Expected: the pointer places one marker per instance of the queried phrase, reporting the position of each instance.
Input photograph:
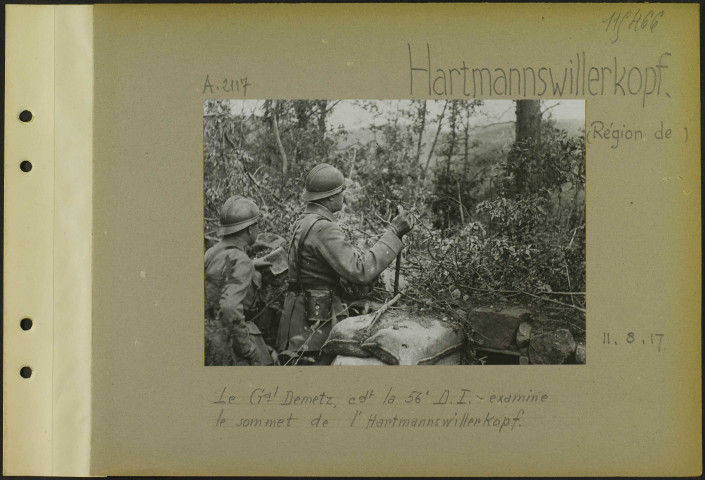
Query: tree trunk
(466, 154)
(280, 147)
(322, 112)
(460, 203)
(453, 121)
(435, 139)
(528, 119)
(422, 126)
(528, 126)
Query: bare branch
(547, 109)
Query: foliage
(229, 174)
(241, 157)
(503, 219)
(528, 240)
(545, 164)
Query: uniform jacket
(326, 257)
(231, 283)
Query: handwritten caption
(580, 75)
(632, 22)
(462, 408)
(619, 135)
(225, 84)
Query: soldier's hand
(261, 263)
(402, 223)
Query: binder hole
(25, 372)
(25, 166)
(26, 323)
(26, 116)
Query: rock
(496, 328)
(455, 294)
(580, 353)
(523, 334)
(551, 348)
(347, 360)
(466, 297)
(387, 277)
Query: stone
(496, 328)
(580, 353)
(551, 348)
(455, 294)
(387, 277)
(347, 360)
(523, 334)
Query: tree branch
(280, 147)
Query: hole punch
(25, 165)
(26, 324)
(25, 372)
(26, 116)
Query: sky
(350, 114)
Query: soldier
(231, 283)
(319, 256)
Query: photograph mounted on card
(500, 202)
(490, 266)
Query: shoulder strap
(303, 236)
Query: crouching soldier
(231, 287)
(319, 256)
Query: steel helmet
(322, 181)
(237, 214)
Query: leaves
(522, 226)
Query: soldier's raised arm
(349, 262)
(320, 256)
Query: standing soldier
(319, 256)
(231, 283)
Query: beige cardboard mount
(103, 244)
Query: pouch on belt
(318, 305)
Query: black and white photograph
(394, 232)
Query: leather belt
(294, 287)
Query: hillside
(488, 139)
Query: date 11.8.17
(632, 338)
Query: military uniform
(231, 288)
(326, 257)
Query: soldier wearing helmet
(231, 284)
(319, 256)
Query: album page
(497, 205)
